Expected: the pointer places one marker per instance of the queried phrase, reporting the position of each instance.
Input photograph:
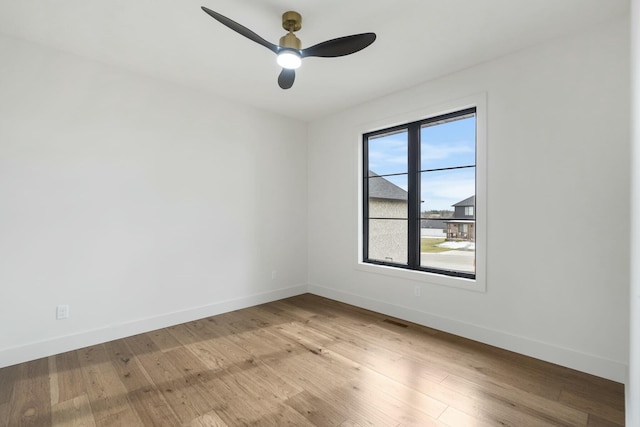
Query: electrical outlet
(62, 312)
(417, 291)
(274, 274)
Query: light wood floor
(302, 361)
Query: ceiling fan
(289, 49)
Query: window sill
(478, 284)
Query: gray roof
(380, 188)
(469, 201)
(433, 223)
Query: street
(451, 260)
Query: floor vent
(393, 322)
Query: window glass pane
(448, 144)
(387, 196)
(449, 196)
(388, 240)
(388, 153)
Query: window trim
(479, 102)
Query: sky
(443, 145)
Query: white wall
(632, 391)
(557, 205)
(138, 203)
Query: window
(423, 169)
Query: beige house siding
(388, 237)
(385, 208)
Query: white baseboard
(13, 355)
(591, 364)
(615, 371)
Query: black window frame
(413, 183)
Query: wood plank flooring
(303, 361)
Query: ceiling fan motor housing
(291, 21)
(290, 41)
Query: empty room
(362, 213)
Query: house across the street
(463, 224)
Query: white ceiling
(417, 40)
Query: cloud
(440, 190)
(388, 156)
(445, 151)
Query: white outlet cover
(62, 312)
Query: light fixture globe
(289, 59)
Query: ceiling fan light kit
(289, 59)
(289, 49)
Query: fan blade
(340, 46)
(241, 30)
(286, 78)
